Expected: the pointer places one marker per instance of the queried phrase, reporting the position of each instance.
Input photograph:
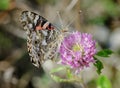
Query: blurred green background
(98, 17)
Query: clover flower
(77, 50)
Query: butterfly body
(41, 37)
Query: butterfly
(43, 38)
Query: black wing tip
(25, 11)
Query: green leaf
(70, 77)
(104, 53)
(59, 79)
(103, 82)
(4, 4)
(98, 64)
(57, 69)
(56, 78)
(69, 74)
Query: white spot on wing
(30, 26)
(44, 42)
(36, 18)
(44, 32)
(29, 14)
(45, 25)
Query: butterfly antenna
(61, 22)
(73, 19)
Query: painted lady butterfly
(42, 37)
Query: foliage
(103, 82)
(98, 64)
(4, 4)
(104, 53)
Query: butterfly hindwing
(41, 37)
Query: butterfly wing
(41, 37)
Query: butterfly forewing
(41, 37)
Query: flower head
(77, 50)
